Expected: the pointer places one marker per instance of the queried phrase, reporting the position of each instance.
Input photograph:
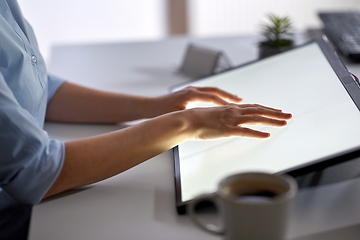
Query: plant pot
(266, 51)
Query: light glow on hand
(197, 104)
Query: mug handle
(211, 228)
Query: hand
(229, 120)
(179, 100)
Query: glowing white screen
(325, 120)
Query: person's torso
(22, 65)
(24, 71)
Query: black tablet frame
(351, 86)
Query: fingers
(221, 94)
(253, 114)
(208, 97)
(265, 111)
(259, 120)
(248, 133)
(258, 105)
(229, 120)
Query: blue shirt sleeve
(29, 161)
(54, 83)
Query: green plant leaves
(276, 31)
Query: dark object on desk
(199, 62)
(343, 29)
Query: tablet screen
(325, 120)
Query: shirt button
(33, 59)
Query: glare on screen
(325, 120)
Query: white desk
(140, 203)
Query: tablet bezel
(351, 87)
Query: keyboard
(343, 29)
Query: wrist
(189, 123)
(147, 107)
(180, 125)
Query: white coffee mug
(252, 206)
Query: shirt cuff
(54, 83)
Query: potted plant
(277, 36)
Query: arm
(74, 103)
(97, 158)
(29, 161)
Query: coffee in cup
(252, 206)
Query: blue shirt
(29, 161)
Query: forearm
(73, 103)
(97, 158)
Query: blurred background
(104, 21)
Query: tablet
(310, 82)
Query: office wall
(219, 17)
(85, 21)
(89, 21)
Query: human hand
(229, 120)
(177, 101)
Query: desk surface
(140, 203)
